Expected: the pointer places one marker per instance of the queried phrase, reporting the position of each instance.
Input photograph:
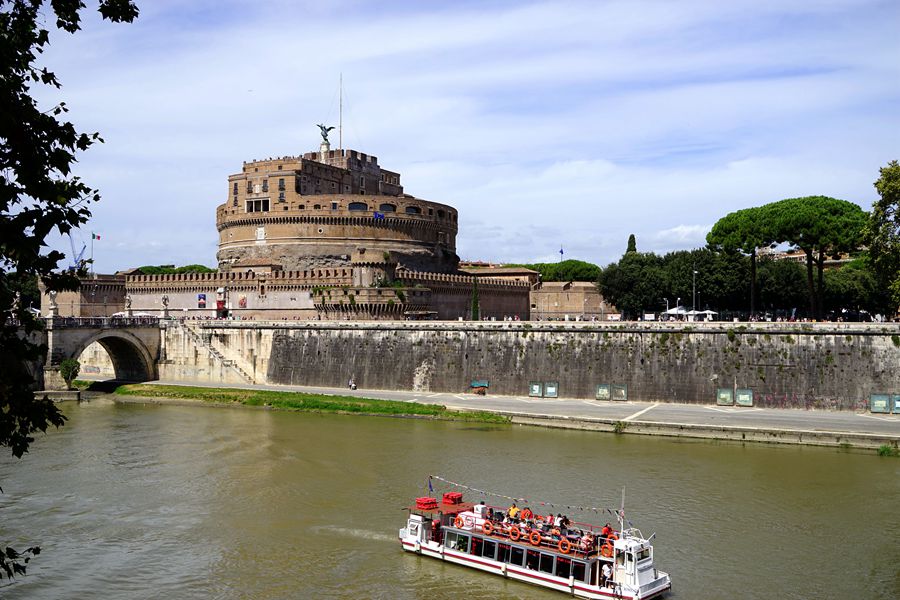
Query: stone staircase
(198, 341)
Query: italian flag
(94, 236)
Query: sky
(548, 125)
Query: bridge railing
(58, 322)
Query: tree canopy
(39, 194)
(173, 270)
(567, 270)
(882, 233)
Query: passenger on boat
(606, 532)
(565, 522)
(605, 574)
(558, 520)
(513, 512)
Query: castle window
(281, 183)
(388, 208)
(249, 186)
(302, 207)
(235, 188)
(317, 207)
(281, 196)
(265, 187)
(413, 210)
(430, 212)
(234, 203)
(358, 206)
(440, 214)
(362, 182)
(258, 205)
(334, 206)
(279, 167)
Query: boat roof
(445, 508)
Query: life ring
(487, 528)
(458, 522)
(564, 546)
(612, 536)
(607, 550)
(535, 538)
(515, 533)
(527, 514)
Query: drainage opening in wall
(321, 230)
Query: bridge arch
(131, 359)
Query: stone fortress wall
(812, 366)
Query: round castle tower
(315, 210)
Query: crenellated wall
(829, 366)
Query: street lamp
(667, 304)
(694, 302)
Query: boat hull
(568, 586)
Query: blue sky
(546, 124)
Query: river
(132, 501)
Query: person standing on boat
(513, 512)
(606, 532)
(605, 574)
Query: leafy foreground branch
(308, 402)
(13, 562)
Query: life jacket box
(453, 498)
(426, 503)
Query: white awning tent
(678, 310)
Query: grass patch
(307, 402)
(885, 450)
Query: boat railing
(576, 541)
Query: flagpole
(92, 254)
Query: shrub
(68, 370)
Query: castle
(331, 235)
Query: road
(632, 412)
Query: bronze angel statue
(324, 130)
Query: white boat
(567, 559)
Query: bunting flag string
(613, 512)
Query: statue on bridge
(324, 131)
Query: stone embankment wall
(834, 366)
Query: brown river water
(131, 501)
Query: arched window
(388, 208)
(358, 206)
(413, 210)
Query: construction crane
(77, 257)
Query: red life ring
(535, 538)
(458, 522)
(487, 528)
(565, 546)
(527, 514)
(612, 536)
(607, 550)
(515, 533)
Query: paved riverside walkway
(645, 417)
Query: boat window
(546, 563)
(476, 546)
(503, 552)
(490, 548)
(644, 554)
(563, 567)
(578, 569)
(462, 543)
(450, 539)
(516, 555)
(532, 559)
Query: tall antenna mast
(341, 115)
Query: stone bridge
(134, 345)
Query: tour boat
(532, 549)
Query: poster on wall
(201, 300)
(242, 302)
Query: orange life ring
(535, 538)
(612, 536)
(607, 550)
(458, 522)
(527, 514)
(515, 533)
(565, 546)
(487, 528)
